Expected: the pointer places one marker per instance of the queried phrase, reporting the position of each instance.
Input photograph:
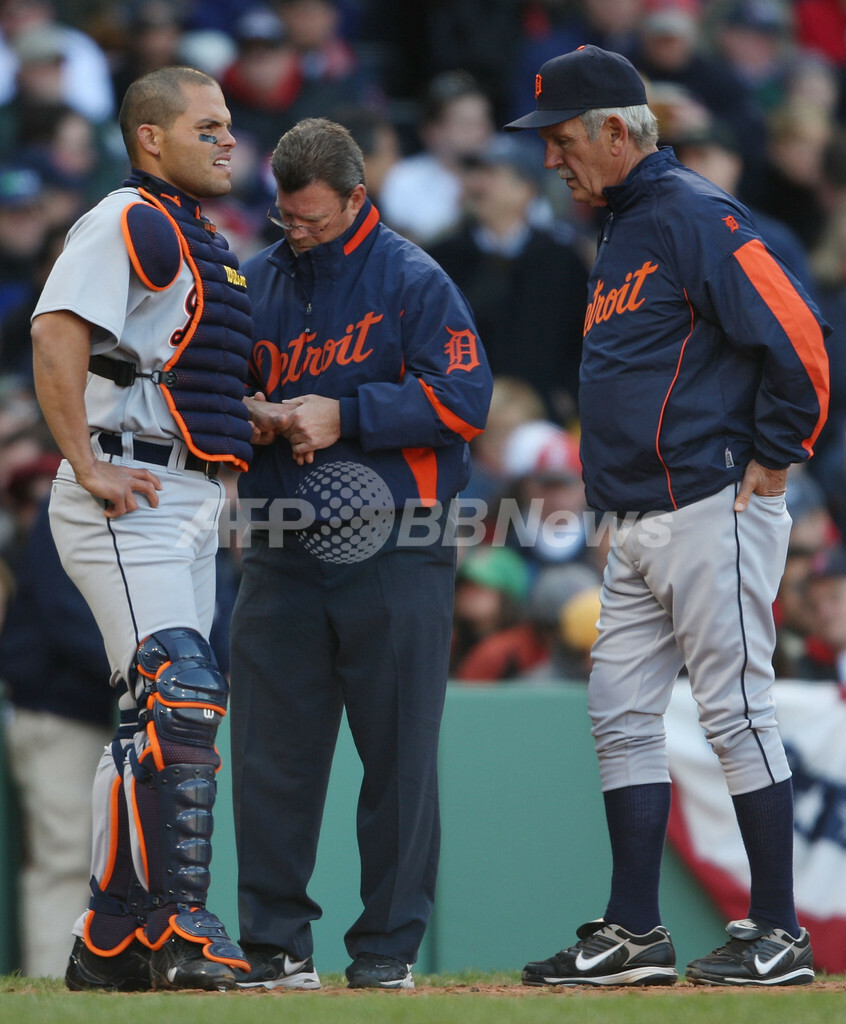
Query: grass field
(461, 999)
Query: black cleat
(756, 955)
(607, 954)
(180, 964)
(275, 969)
(373, 970)
(128, 971)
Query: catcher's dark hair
(317, 149)
(157, 98)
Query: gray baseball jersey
(94, 278)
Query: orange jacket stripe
(797, 322)
(369, 223)
(664, 405)
(448, 418)
(423, 463)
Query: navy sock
(637, 827)
(765, 818)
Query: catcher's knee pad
(184, 700)
(185, 694)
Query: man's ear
(149, 138)
(357, 197)
(618, 133)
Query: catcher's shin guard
(183, 701)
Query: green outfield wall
(525, 856)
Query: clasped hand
(309, 423)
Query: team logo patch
(538, 86)
(462, 350)
(731, 223)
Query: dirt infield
(555, 991)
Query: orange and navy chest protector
(701, 350)
(203, 380)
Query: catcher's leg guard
(182, 698)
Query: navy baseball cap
(585, 79)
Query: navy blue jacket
(370, 319)
(701, 349)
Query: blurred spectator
(543, 514)
(263, 82)
(813, 532)
(75, 157)
(15, 337)
(314, 29)
(820, 26)
(23, 228)
(60, 716)
(154, 30)
(378, 140)
(756, 39)
(824, 656)
(45, 54)
(577, 631)
(491, 587)
(513, 402)
(789, 187)
(480, 36)
(209, 50)
(421, 194)
(266, 88)
(527, 286)
(671, 49)
(219, 16)
(527, 650)
(24, 441)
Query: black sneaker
(275, 969)
(128, 971)
(180, 964)
(608, 955)
(756, 955)
(372, 970)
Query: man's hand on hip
(757, 479)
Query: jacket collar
(632, 187)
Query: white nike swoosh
(586, 963)
(290, 966)
(765, 966)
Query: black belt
(157, 454)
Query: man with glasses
(370, 382)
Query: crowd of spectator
(751, 93)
